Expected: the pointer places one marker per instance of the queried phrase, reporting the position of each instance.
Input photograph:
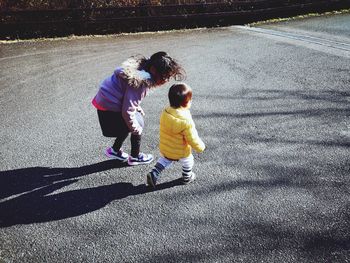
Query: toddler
(178, 135)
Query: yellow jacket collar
(181, 113)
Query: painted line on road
(309, 39)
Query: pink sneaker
(120, 155)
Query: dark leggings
(113, 125)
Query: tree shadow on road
(308, 113)
(34, 202)
(334, 96)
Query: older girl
(119, 97)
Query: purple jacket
(124, 91)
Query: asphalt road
(272, 105)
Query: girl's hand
(140, 110)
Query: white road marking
(310, 39)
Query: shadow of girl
(36, 203)
(39, 206)
(23, 180)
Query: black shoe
(152, 178)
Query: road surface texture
(271, 103)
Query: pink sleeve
(131, 101)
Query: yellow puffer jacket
(178, 134)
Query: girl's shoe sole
(133, 164)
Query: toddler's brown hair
(179, 95)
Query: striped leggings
(187, 165)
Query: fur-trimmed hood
(135, 77)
